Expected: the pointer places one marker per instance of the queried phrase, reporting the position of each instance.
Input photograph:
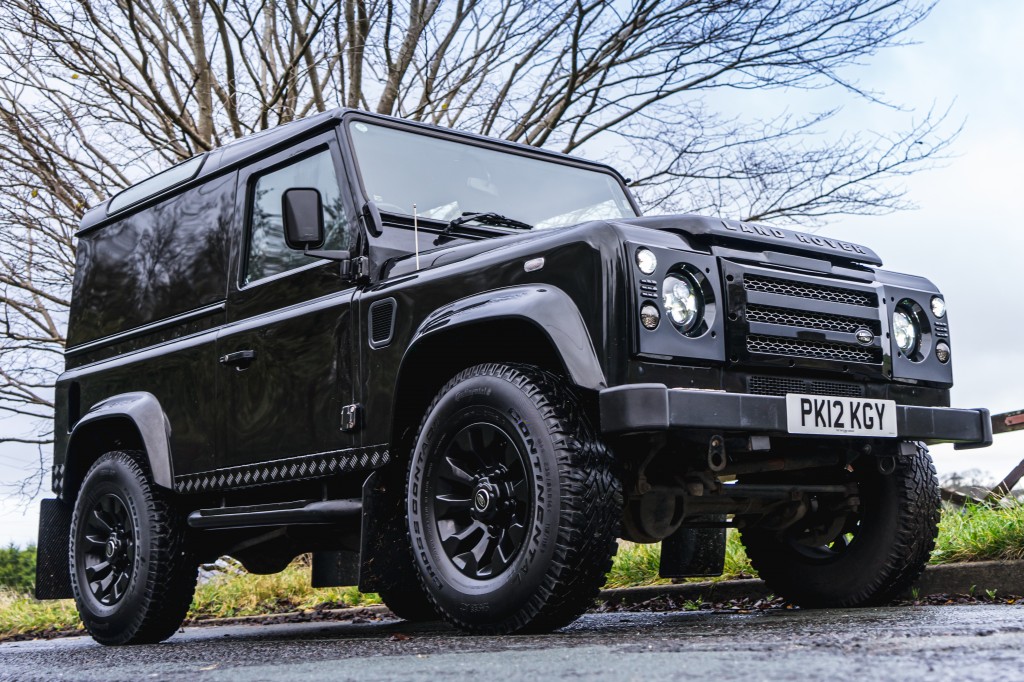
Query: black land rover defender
(456, 369)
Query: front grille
(805, 348)
(808, 320)
(820, 292)
(779, 386)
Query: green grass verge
(980, 533)
(973, 534)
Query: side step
(279, 514)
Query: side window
(267, 252)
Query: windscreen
(445, 178)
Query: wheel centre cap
(112, 546)
(482, 500)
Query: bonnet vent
(382, 322)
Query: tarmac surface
(977, 642)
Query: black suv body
(301, 343)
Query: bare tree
(96, 93)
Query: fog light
(942, 351)
(646, 261)
(650, 316)
(938, 307)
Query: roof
(241, 150)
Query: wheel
(408, 602)
(513, 504)
(866, 556)
(132, 576)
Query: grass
(973, 534)
(637, 565)
(980, 533)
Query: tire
(408, 602)
(131, 572)
(531, 551)
(893, 535)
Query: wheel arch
(128, 421)
(533, 325)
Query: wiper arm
(487, 218)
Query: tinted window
(160, 182)
(268, 253)
(160, 262)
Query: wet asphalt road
(901, 643)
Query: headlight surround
(906, 330)
(682, 301)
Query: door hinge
(350, 417)
(356, 269)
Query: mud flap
(335, 568)
(53, 577)
(694, 552)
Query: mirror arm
(353, 269)
(328, 255)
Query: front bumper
(638, 408)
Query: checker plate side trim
(318, 465)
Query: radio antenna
(416, 233)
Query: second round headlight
(905, 330)
(682, 301)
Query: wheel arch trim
(549, 309)
(142, 411)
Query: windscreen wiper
(487, 218)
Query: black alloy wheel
(864, 557)
(481, 499)
(513, 504)
(109, 548)
(132, 572)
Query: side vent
(382, 322)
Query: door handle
(240, 359)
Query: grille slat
(820, 292)
(809, 320)
(779, 386)
(805, 348)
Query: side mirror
(303, 216)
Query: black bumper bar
(638, 408)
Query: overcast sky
(965, 235)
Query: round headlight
(938, 307)
(942, 351)
(905, 330)
(646, 261)
(649, 315)
(682, 302)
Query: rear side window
(268, 254)
(166, 260)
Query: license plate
(825, 415)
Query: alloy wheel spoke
(447, 504)
(457, 471)
(98, 572)
(101, 521)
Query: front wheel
(132, 575)
(513, 505)
(864, 557)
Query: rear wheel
(132, 575)
(865, 556)
(513, 505)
